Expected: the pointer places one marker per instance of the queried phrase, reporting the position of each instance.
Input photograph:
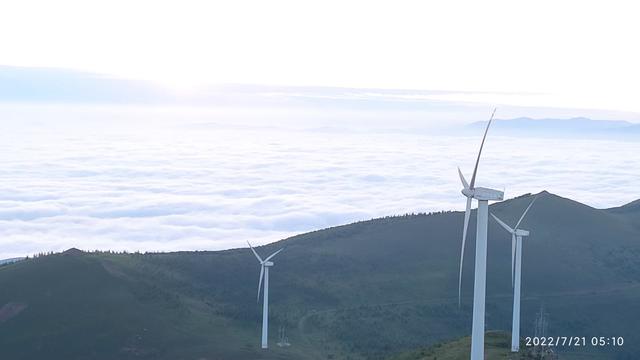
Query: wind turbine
(516, 266)
(264, 272)
(483, 196)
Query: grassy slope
(497, 345)
(361, 291)
(90, 306)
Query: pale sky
(574, 53)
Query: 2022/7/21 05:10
(575, 341)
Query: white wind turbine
(264, 272)
(516, 273)
(483, 196)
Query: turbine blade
(502, 224)
(464, 181)
(260, 283)
(467, 214)
(272, 255)
(255, 253)
(475, 169)
(513, 259)
(525, 212)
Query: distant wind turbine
(483, 196)
(264, 273)
(516, 273)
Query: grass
(497, 347)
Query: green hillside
(367, 290)
(497, 345)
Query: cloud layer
(153, 180)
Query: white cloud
(147, 182)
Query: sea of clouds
(126, 178)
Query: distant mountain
(368, 290)
(574, 127)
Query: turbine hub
(467, 192)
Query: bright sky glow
(577, 53)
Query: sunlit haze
(561, 54)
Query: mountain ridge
(553, 127)
(358, 291)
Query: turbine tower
(264, 273)
(516, 273)
(483, 196)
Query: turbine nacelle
(522, 232)
(267, 263)
(480, 193)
